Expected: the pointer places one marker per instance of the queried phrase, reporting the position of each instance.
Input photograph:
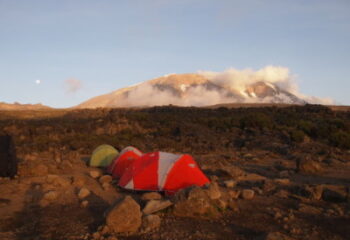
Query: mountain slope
(191, 90)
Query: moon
(38, 81)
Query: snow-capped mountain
(192, 90)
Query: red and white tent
(160, 171)
(123, 161)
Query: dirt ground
(301, 190)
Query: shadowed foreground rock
(8, 161)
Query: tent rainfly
(103, 155)
(123, 161)
(161, 171)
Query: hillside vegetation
(195, 130)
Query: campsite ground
(295, 159)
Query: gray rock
(106, 186)
(316, 192)
(50, 196)
(248, 194)
(232, 171)
(83, 193)
(79, 180)
(230, 183)
(233, 205)
(151, 196)
(234, 194)
(221, 203)
(105, 230)
(105, 179)
(112, 238)
(308, 166)
(59, 181)
(96, 235)
(308, 209)
(214, 191)
(150, 222)
(84, 203)
(282, 181)
(284, 174)
(40, 170)
(95, 174)
(195, 202)
(125, 216)
(153, 206)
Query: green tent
(103, 155)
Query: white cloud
(72, 85)
(231, 86)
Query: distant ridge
(22, 107)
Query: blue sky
(107, 45)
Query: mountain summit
(192, 90)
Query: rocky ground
(264, 188)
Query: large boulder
(125, 216)
(8, 160)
